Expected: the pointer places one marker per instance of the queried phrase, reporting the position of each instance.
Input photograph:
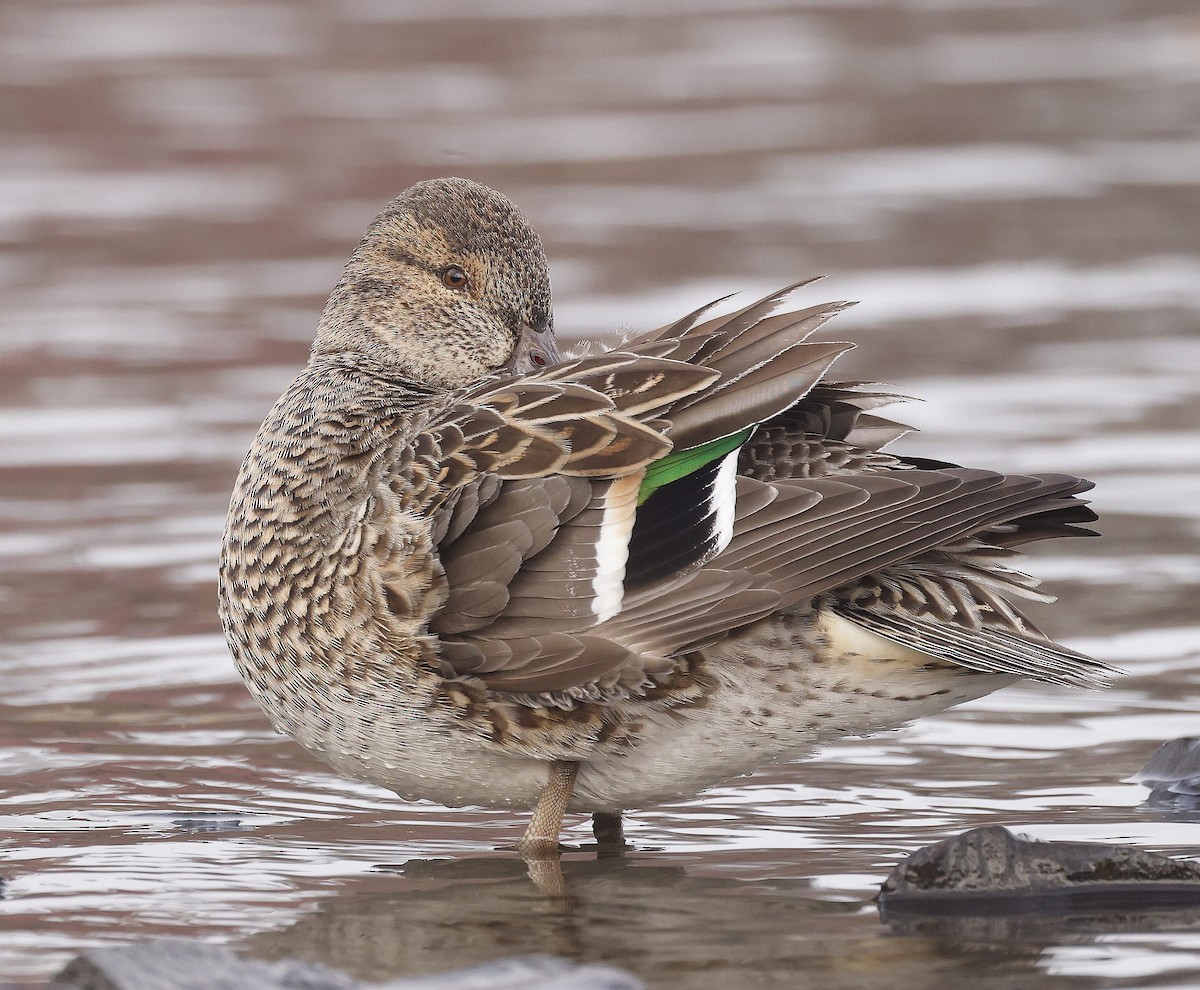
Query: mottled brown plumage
(464, 569)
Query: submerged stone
(990, 870)
(180, 964)
(1173, 772)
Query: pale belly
(778, 694)
(776, 705)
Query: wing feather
(562, 588)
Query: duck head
(449, 285)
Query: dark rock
(1067, 925)
(202, 824)
(178, 964)
(990, 870)
(1173, 773)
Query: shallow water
(1010, 187)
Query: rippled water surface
(1010, 186)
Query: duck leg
(610, 836)
(541, 837)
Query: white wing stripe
(612, 547)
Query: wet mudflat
(1012, 190)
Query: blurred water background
(1012, 187)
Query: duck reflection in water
(673, 926)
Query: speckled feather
(428, 570)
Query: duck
(469, 569)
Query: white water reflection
(1013, 290)
(126, 32)
(1125, 957)
(82, 668)
(210, 195)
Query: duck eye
(538, 359)
(454, 278)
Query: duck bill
(535, 350)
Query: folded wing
(600, 519)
